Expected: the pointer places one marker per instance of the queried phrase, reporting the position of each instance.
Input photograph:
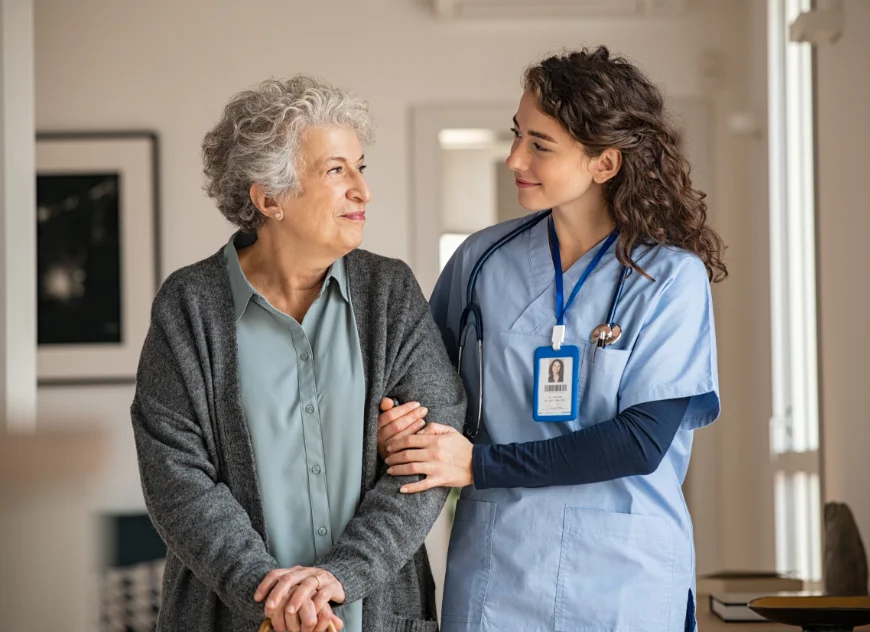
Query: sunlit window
(795, 422)
(447, 245)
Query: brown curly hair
(607, 102)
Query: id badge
(556, 374)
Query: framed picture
(97, 253)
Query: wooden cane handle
(266, 626)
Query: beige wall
(468, 189)
(507, 205)
(744, 341)
(170, 66)
(844, 260)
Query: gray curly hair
(258, 137)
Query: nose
(360, 191)
(517, 159)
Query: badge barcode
(555, 388)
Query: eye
(362, 168)
(336, 170)
(539, 148)
(516, 132)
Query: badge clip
(558, 336)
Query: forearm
(199, 518)
(390, 527)
(632, 443)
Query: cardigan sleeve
(390, 527)
(194, 512)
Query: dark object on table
(735, 581)
(815, 614)
(845, 556)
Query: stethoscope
(601, 334)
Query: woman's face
(550, 167)
(329, 213)
(557, 367)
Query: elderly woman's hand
(397, 422)
(439, 452)
(298, 599)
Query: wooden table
(709, 622)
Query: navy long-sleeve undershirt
(632, 443)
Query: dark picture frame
(98, 253)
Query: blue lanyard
(561, 306)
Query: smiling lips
(358, 216)
(525, 184)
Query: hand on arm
(398, 421)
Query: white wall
(17, 218)
(844, 222)
(171, 66)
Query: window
(794, 436)
(447, 245)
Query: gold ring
(317, 577)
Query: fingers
(395, 413)
(338, 623)
(433, 428)
(417, 441)
(292, 622)
(387, 403)
(416, 417)
(315, 614)
(280, 593)
(277, 617)
(308, 616)
(280, 605)
(331, 591)
(401, 428)
(421, 486)
(324, 618)
(269, 582)
(411, 469)
(426, 438)
(416, 457)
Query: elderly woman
(256, 407)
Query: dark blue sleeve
(632, 443)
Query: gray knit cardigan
(197, 463)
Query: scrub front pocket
(615, 573)
(469, 562)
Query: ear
(268, 206)
(607, 165)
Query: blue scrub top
(610, 556)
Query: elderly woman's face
(330, 212)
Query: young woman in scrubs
(578, 523)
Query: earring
(279, 215)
